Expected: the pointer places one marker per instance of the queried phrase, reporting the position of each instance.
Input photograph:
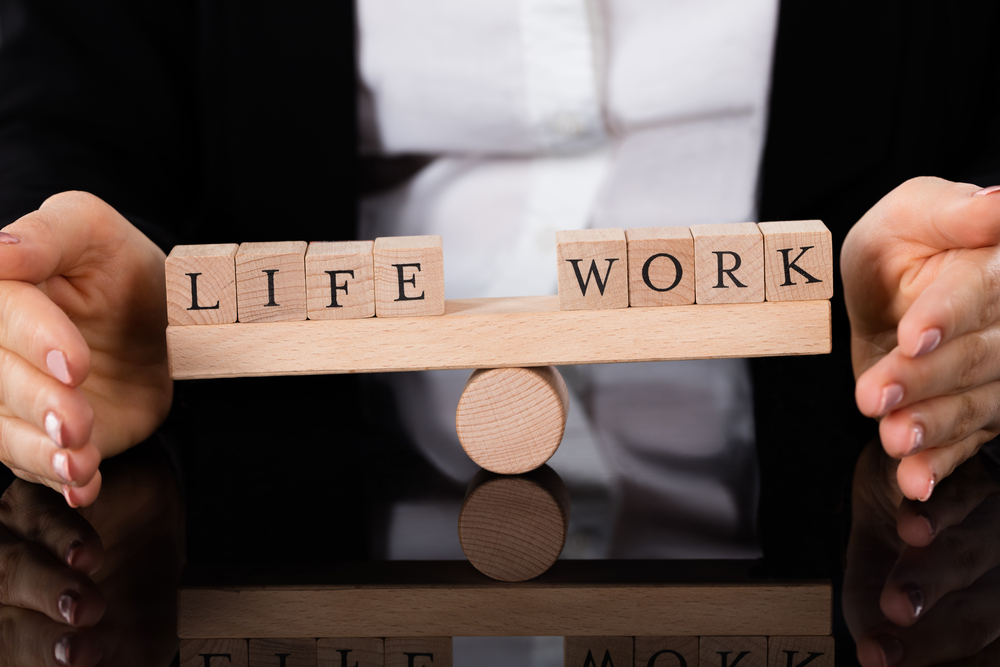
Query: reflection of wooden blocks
(271, 281)
(340, 280)
(417, 652)
(353, 651)
(213, 652)
(597, 651)
(282, 653)
(798, 260)
(409, 276)
(660, 266)
(592, 269)
(727, 651)
(666, 651)
(201, 284)
(814, 651)
(728, 263)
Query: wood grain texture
(409, 276)
(271, 281)
(592, 267)
(500, 333)
(282, 653)
(215, 283)
(806, 244)
(355, 651)
(666, 652)
(597, 651)
(666, 285)
(502, 609)
(513, 528)
(424, 652)
(227, 652)
(794, 651)
(724, 651)
(719, 276)
(342, 295)
(511, 420)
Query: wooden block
(418, 652)
(800, 651)
(409, 276)
(798, 260)
(592, 268)
(597, 651)
(271, 281)
(282, 653)
(733, 651)
(513, 527)
(213, 653)
(666, 652)
(350, 651)
(201, 284)
(728, 263)
(660, 266)
(340, 280)
(511, 420)
(496, 333)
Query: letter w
(601, 284)
(590, 656)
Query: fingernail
(928, 342)
(60, 463)
(916, 597)
(892, 649)
(930, 490)
(987, 191)
(56, 361)
(916, 439)
(64, 650)
(53, 427)
(9, 239)
(891, 396)
(66, 494)
(67, 606)
(73, 552)
(929, 525)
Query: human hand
(921, 275)
(83, 371)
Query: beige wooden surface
(809, 246)
(597, 651)
(253, 284)
(296, 652)
(819, 651)
(586, 260)
(500, 609)
(216, 284)
(755, 649)
(359, 651)
(353, 294)
(497, 333)
(402, 289)
(437, 649)
(742, 239)
(663, 651)
(193, 652)
(511, 420)
(644, 246)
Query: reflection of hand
(83, 372)
(923, 579)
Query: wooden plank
(500, 333)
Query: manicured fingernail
(66, 494)
(928, 342)
(53, 427)
(892, 649)
(930, 490)
(916, 597)
(64, 650)
(8, 239)
(891, 396)
(67, 606)
(987, 191)
(73, 552)
(56, 361)
(60, 464)
(916, 439)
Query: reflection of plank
(500, 333)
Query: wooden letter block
(213, 652)
(733, 651)
(597, 651)
(340, 280)
(352, 651)
(728, 263)
(666, 652)
(800, 651)
(271, 281)
(417, 652)
(409, 276)
(201, 284)
(798, 260)
(660, 266)
(592, 269)
(282, 653)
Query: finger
(917, 475)
(75, 496)
(35, 514)
(33, 640)
(24, 447)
